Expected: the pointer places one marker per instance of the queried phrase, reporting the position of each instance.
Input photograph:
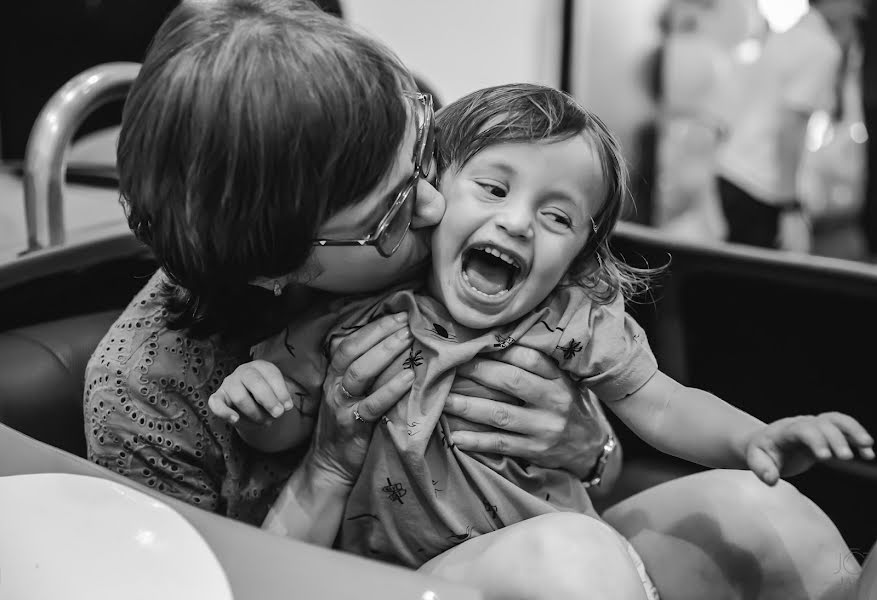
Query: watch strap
(596, 474)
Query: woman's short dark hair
(251, 122)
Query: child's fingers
(260, 391)
(218, 404)
(807, 432)
(239, 397)
(763, 465)
(853, 430)
(835, 439)
(274, 378)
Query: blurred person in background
(695, 56)
(757, 166)
(868, 36)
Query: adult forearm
(310, 506)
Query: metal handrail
(46, 154)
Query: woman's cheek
(430, 206)
(354, 270)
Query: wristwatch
(596, 474)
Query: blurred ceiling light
(782, 14)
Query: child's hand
(791, 446)
(255, 390)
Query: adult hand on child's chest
(553, 427)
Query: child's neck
(432, 285)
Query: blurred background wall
(649, 68)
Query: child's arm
(259, 391)
(697, 426)
(688, 423)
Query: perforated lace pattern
(146, 416)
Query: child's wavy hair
(251, 122)
(524, 112)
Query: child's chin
(478, 319)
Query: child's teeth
(501, 255)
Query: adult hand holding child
(555, 427)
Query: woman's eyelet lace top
(146, 416)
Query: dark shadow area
(44, 43)
(104, 286)
(775, 338)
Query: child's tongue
(486, 274)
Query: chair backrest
(41, 377)
(775, 334)
(771, 332)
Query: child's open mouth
(490, 271)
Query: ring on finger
(358, 416)
(347, 395)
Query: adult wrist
(310, 505)
(321, 474)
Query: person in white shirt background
(772, 99)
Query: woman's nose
(429, 207)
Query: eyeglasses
(391, 230)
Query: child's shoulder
(572, 311)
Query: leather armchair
(41, 377)
(42, 370)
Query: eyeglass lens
(393, 234)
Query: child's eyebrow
(505, 168)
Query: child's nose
(516, 219)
